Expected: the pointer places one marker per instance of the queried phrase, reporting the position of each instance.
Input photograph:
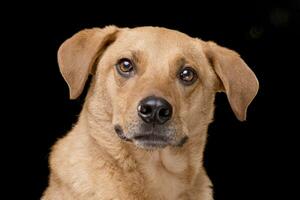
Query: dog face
(155, 86)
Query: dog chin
(150, 140)
(150, 145)
(153, 144)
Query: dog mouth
(120, 133)
(150, 139)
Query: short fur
(92, 163)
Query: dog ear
(78, 54)
(238, 81)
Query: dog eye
(125, 67)
(187, 75)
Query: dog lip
(120, 133)
(182, 141)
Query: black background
(248, 160)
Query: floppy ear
(239, 82)
(78, 54)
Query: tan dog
(143, 127)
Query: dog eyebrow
(137, 55)
(177, 63)
(180, 60)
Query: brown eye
(125, 67)
(187, 75)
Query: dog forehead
(155, 38)
(159, 32)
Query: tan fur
(92, 163)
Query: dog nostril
(164, 112)
(144, 109)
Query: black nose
(154, 110)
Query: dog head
(154, 86)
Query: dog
(143, 126)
